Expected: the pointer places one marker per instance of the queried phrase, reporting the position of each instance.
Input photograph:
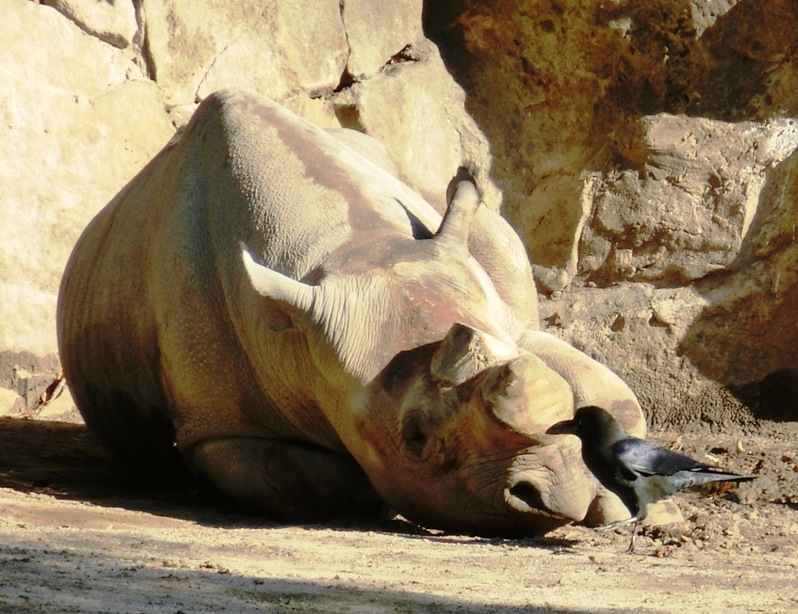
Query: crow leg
(632, 549)
(622, 523)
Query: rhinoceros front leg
(298, 483)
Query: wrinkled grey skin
(270, 308)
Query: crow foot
(622, 523)
(615, 525)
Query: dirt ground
(78, 536)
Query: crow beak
(566, 427)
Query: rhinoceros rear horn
(526, 395)
(465, 352)
(464, 199)
(277, 286)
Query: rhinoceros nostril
(529, 496)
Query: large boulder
(746, 333)
(432, 135)
(115, 23)
(562, 90)
(686, 210)
(377, 31)
(80, 120)
(276, 50)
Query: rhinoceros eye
(414, 436)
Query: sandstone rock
(10, 402)
(747, 331)
(636, 330)
(705, 13)
(290, 46)
(556, 210)
(60, 409)
(551, 280)
(743, 67)
(320, 111)
(560, 88)
(184, 37)
(77, 130)
(112, 22)
(32, 389)
(537, 78)
(180, 114)
(378, 30)
(25, 379)
(686, 212)
(418, 113)
(64, 62)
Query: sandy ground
(78, 536)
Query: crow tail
(704, 477)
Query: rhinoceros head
(452, 433)
(466, 448)
(448, 420)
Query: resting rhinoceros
(275, 310)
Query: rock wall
(92, 90)
(644, 151)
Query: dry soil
(76, 535)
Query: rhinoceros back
(163, 341)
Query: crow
(636, 470)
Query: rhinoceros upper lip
(529, 495)
(524, 497)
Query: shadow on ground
(65, 461)
(176, 589)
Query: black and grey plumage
(636, 470)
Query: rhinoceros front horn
(277, 286)
(466, 352)
(527, 395)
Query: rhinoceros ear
(466, 352)
(463, 204)
(277, 286)
(526, 395)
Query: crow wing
(642, 457)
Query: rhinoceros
(267, 306)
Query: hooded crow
(636, 470)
